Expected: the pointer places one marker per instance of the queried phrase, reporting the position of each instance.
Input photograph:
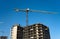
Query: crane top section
(27, 10)
(30, 10)
(24, 10)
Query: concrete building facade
(16, 32)
(3, 37)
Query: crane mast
(27, 10)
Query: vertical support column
(27, 10)
(37, 31)
(27, 18)
(27, 22)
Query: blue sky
(9, 17)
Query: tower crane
(29, 10)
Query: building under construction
(35, 31)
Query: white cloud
(1, 22)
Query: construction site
(34, 31)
